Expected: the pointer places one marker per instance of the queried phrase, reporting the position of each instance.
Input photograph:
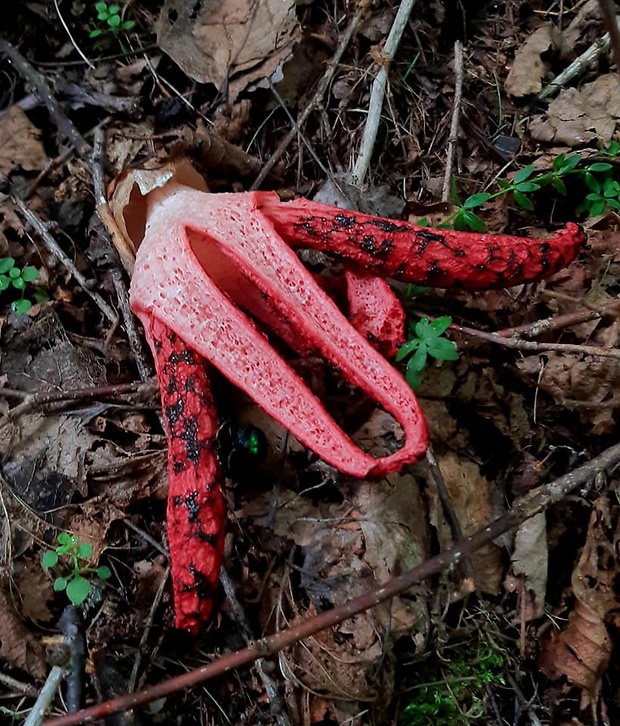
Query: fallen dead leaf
(34, 590)
(18, 646)
(232, 44)
(581, 651)
(20, 142)
(579, 116)
(470, 495)
(530, 560)
(589, 385)
(528, 68)
(334, 664)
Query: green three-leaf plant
(12, 276)
(111, 20)
(77, 583)
(426, 340)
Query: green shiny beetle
(241, 448)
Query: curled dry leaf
(231, 44)
(18, 646)
(530, 560)
(528, 69)
(580, 652)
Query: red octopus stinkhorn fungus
(209, 261)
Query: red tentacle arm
(375, 311)
(435, 257)
(204, 258)
(196, 506)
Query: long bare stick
(534, 346)
(44, 93)
(41, 228)
(377, 93)
(316, 99)
(456, 115)
(581, 63)
(536, 501)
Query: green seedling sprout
(110, 18)
(597, 178)
(78, 582)
(426, 340)
(17, 278)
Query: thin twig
(148, 624)
(534, 502)
(302, 136)
(42, 90)
(558, 322)
(278, 712)
(448, 507)
(536, 347)
(37, 401)
(71, 625)
(89, 63)
(146, 537)
(41, 228)
(524, 704)
(608, 10)
(46, 696)
(145, 371)
(377, 93)
(577, 67)
(454, 125)
(122, 296)
(315, 100)
(25, 689)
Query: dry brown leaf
(581, 651)
(232, 44)
(528, 68)
(471, 494)
(377, 532)
(530, 559)
(33, 590)
(587, 384)
(332, 664)
(20, 142)
(91, 524)
(18, 646)
(579, 116)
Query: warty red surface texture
(208, 261)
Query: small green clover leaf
(50, 559)
(110, 15)
(12, 276)
(77, 583)
(6, 264)
(78, 588)
(426, 341)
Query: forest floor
(523, 422)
